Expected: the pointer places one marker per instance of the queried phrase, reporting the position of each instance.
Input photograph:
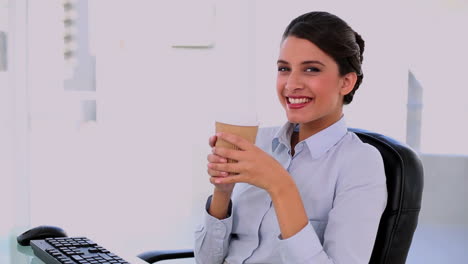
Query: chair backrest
(404, 173)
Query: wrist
(284, 187)
(223, 190)
(222, 193)
(220, 201)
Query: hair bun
(361, 44)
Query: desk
(12, 253)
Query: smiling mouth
(298, 101)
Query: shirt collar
(319, 143)
(283, 136)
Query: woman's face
(309, 85)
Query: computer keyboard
(73, 250)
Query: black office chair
(404, 172)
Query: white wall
(14, 188)
(438, 60)
(6, 152)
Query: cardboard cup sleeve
(247, 132)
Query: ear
(348, 82)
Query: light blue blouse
(343, 187)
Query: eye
(283, 69)
(312, 69)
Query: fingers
(238, 141)
(212, 141)
(215, 173)
(228, 153)
(213, 158)
(218, 167)
(227, 180)
(224, 167)
(213, 180)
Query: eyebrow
(304, 62)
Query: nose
(294, 82)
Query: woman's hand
(215, 174)
(254, 166)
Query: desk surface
(12, 253)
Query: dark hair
(336, 38)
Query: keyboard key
(93, 250)
(106, 257)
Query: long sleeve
(349, 235)
(212, 237)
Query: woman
(309, 191)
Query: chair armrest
(157, 255)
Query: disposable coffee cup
(246, 129)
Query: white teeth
(298, 100)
